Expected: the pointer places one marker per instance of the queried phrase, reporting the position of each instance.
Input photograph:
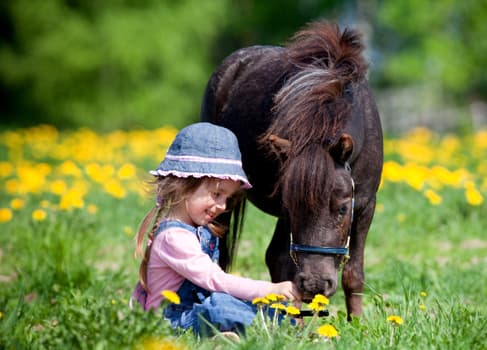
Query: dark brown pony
(311, 143)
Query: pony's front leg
(278, 260)
(353, 272)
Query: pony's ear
(342, 150)
(279, 145)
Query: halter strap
(303, 248)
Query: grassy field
(70, 203)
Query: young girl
(201, 173)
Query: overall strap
(208, 242)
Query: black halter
(344, 251)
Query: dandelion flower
(39, 215)
(6, 169)
(157, 344)
(379, 208)
(422, 307)
(17, 203)
(114, 188)
(70, 168)
(321, 299)
(58, 187)
(278, 306)
(396, 320)
(275, 297)
(316, 307)
(5, 214)
(423, 294)
(126, 171)
(128, 230)
(401, 217)
(292, 310)
(433, 197)
(72, 198)
(92, 209)
(260, 301)
(327, 330)
(171, 296)
(473, 196)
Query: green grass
(66, 281)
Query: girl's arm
(181, 251)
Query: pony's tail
(139, 242)
(322, 44)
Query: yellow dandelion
(321, 299)
(6, 169)
(17, 203)
(58, 187)
(260, 301)
(396, 320)
(171, 296)
(13, 186)
(292, 310)
(158, 344)
(70, 168)
(278, 306)
(327, 330)
(114, 188)
(128, 231)
(422, 307)
(379, 208)
(433, 197)
(316, 307)
(5, 215)
(275, 297)
(126, 171)
(94, 171)
(72, 198)
(392, 171)
(423, 294)
(92, 209)
(114, 302)
(39, 215)
(401, 217)
(473, 196)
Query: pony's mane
(312, 100)
(312, 107)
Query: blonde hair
(170, 191)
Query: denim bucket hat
(204, 149)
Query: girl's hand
(288, 289)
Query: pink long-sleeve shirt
(176, 255)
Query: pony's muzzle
(311, 284)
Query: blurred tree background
(127, 64)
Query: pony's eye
(342, 210)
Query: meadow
(71, 201)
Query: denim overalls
(199, 307)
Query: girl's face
(207, 202)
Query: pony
(312, 147)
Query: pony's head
(307, 135)
(317, 192)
